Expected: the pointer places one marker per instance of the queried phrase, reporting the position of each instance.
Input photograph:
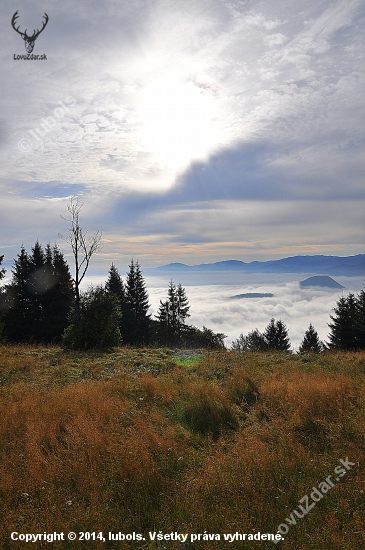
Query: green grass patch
(187, 359)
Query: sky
(194, 131)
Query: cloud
(206, 127)
(159, 86)
(213, 229)
(297, 308)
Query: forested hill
(350, 266)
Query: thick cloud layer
(197, 130)
(212, 305)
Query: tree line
(35, 304)
(40, 305)
(347, 331)
(43, 303)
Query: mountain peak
(320, 280)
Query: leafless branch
(82, 246)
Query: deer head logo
(29, 40)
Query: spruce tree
(137, 322)
(39, 296)
(182, 308)
(18, 317)
(163, 329)
(2, 270)
(270, 334)
(142, 307)
(38, 283)
(60, 296)
(172, 314)
(37, 262)
(311, 342)
(360, 322)
(344, 334)
(52, 293)
(114, 285)
(172, 308)
(276, 336)
(283, 343)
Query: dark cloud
(260, 106)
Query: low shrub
(95, 323)
(210, 414)
(241, 390)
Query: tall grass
(131, 442)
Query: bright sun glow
(178, 122)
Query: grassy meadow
(141, 440)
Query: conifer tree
(137, 323)
(276, 336)
(2, 270)
(37, 258)
(62, 272)
(270, 334)
(172, 314)
(311, 342)
(114, 285)
(163, 319)
(59, 297)
(39, 296)
(168, 316)
(182, 308)
(360, 324)
(344, 334)
(39, 281)
(18, 320)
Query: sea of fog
(211, 305)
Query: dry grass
(130, 441)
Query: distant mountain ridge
(350, 266)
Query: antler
(24, 34)
(15, 17)
(44, 24)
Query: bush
(95, 324)
(210, 414)
(195, 338)
(254, 341)
(275, 337)
(242, 390)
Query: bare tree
(83, 247)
